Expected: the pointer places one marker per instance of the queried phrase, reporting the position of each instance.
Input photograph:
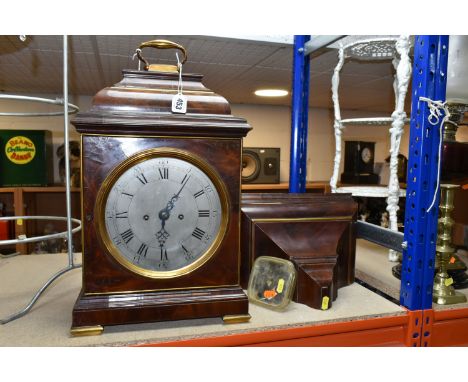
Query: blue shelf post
(429, 80)
(299, 115)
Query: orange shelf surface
(383, 331)
(449, 327)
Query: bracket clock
(359, 163)
(160, 202)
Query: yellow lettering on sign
(20, 150)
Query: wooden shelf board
(448, 324)
(7, 190)
(357, 312)
(37, 189)
(284, 186)
(49, 189)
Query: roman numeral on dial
(127, 235)
(164, 173)
(198, 233)
(186, 251)
(121, 215)
(143, 250)
(199, 193)
(188, 254)
(203, 213)
(141, 177)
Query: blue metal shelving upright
(299, 115)
(429, 80)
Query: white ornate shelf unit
(376, 49)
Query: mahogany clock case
(101, 272)
(129, 118)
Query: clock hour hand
(162, 234)
(164, 214)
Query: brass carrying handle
(160, 44)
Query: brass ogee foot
(81, 331)
(236, 319)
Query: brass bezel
(142, 156)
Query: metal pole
(71, 108)
(317, 43)
(71, 264)
(429, 80)
(67, 150)
(299, 115)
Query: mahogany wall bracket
(315, 232)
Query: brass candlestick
(443, 291)
(457, 112)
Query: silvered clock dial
(366, 155)
(163, 213)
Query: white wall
(462, 134)
(271, 128)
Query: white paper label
(179, 104)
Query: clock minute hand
(183, 185)
(170, 204)
(176, 196)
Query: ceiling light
(271, 93)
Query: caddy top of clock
(142, 103)
(161, 170)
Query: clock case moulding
(129, 117)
